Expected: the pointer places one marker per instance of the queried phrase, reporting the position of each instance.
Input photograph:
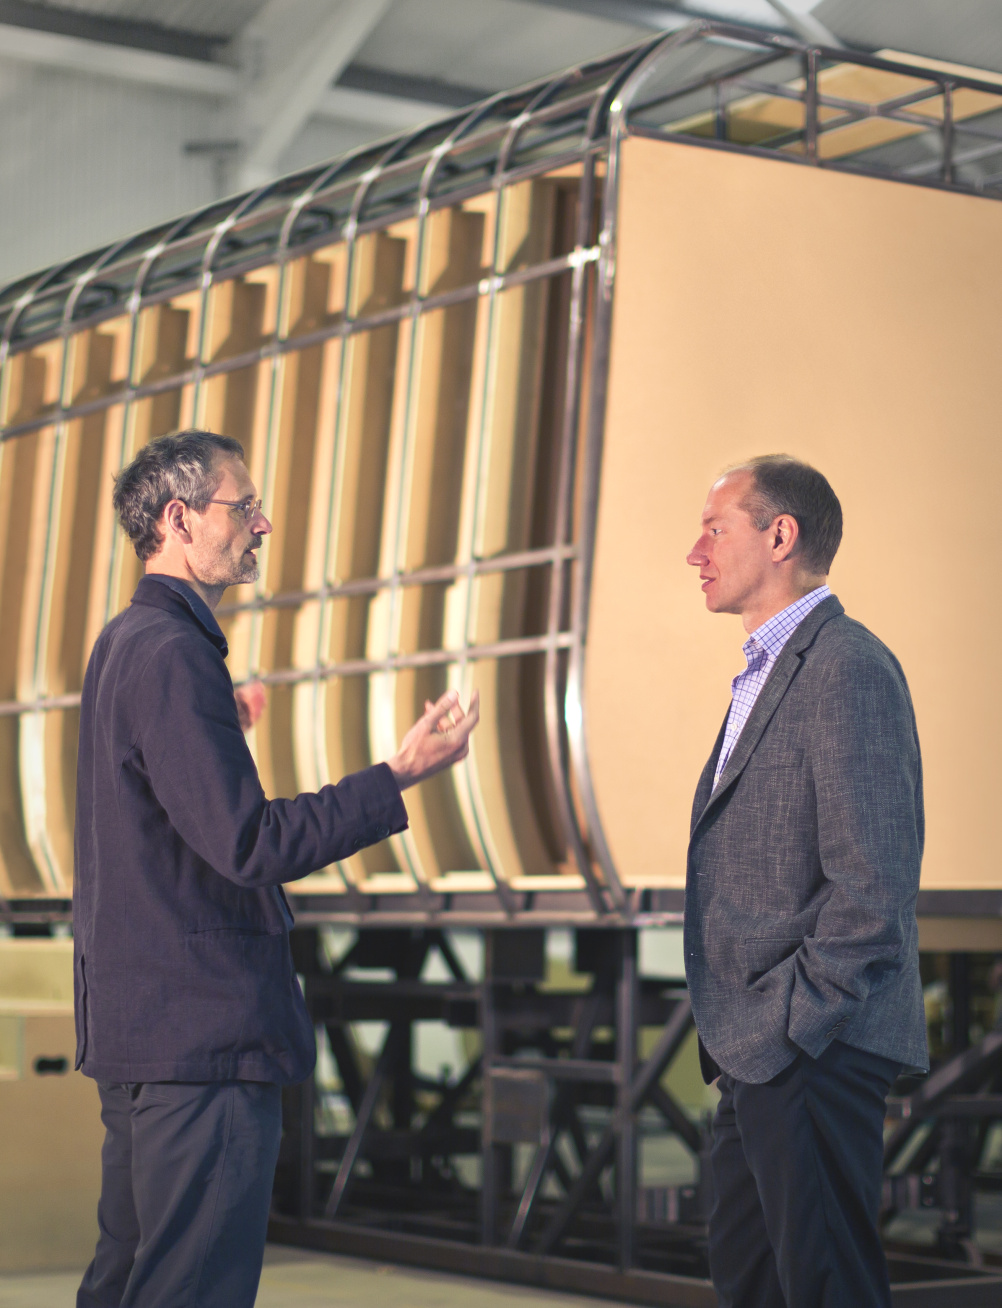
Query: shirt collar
(777, 630)
(198, 606)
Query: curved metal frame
(577, 118)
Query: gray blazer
(804, 863)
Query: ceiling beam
(801, 21)
(297, 49)
(394, 112)
(111, 31)
(126, 63)
(430, 90)
(651, 15)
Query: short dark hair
(782, 484)
(180, 466)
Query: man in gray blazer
(801, 945)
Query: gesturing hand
(438, 739)
(250, 698)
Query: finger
(429, 707)
(472, 715)
(442, 708)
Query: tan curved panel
(165, 345)
(297, 495)
(852, 322)
(33, 388)
(19, 874)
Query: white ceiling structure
(116, 114)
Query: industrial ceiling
(115, 114)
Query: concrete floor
(295, 1278)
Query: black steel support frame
(519, 1025)
(550, 1107)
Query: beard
(222, 568)
(249, 570)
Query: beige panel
(240, 314)
(851, 322)
(31, 383)
(73, 565)
(18, 467)
(297, 498)
(237, 404)
(47, 848)
(430, 513)
(50, 1165)
(283, 558)
(166, 341)
(372, 381)
(516, 485)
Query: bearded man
(189, 1013)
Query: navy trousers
(797, 1168)
(186, 1189)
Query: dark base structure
(524, 1164)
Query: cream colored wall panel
(18, 464)
(847, 321)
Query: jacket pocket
(762, 954)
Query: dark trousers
(185, 1194)
(797, 1169)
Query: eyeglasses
(249, 508)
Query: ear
(785, 532)
(176, 523)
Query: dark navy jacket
(183, 967)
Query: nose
(696, 557)
(262, 527)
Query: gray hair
(782, 484)
(181, 466)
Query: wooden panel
(32, 382)
(18, 469)
(848, 321)
(239, 403)
(345, 524)
(304, 412)
(515, 462)
(165, 346)
(426, 530)
(68, 561)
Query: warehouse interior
(491, 290)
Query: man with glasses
(189, 1013)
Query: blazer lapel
(704, 787)
(769, 699)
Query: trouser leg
(742, 1263)
(812, 1139)
(104, 1280)
(203, 1163)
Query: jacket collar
(174, 596)
(770, 696)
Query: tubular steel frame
(578, 119)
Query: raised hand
(250, 698)
(439, 738)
